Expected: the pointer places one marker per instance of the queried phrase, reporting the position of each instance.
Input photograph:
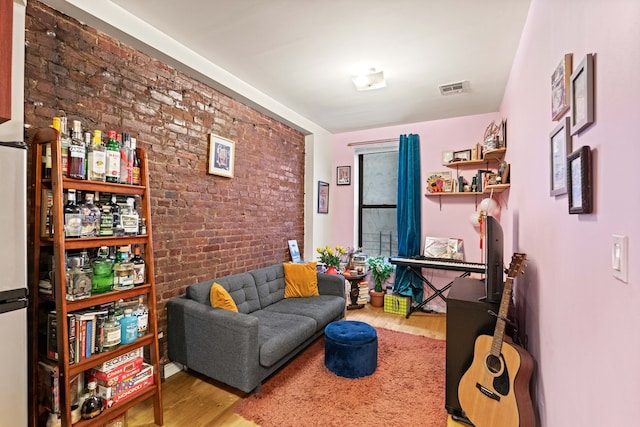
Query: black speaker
(467, 317)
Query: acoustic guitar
(494, 392)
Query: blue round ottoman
(350, 348)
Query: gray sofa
(242, 349)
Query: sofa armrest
(331, 284)
(201, 337)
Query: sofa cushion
(323, 308)
(220, 298)
(279, 334)
(300, 280)
(270, 284)
(241, 287)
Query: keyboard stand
(436, 292)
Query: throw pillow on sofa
(220, 298)
(300, 280)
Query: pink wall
(450, 220)
(574, 314)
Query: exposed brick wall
(204, 226)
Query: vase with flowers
(381, 270)
(330, 257)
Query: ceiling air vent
(451, 88)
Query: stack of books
(363, 295)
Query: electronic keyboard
(440, 263)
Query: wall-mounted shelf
(488, 156)
(498, 188)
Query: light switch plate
(619, 257)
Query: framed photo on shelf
(439, 182)
(560, 93)
(323, 197)
(221, 156)
(343, 175)
(462, 156)
(447, 157)
(579, 181)
(560, 139)
(582, 95)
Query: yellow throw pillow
(220, 298)
(300, 280)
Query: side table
(354, 279)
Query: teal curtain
(408, 214)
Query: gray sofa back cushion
(241, 287)
(270, 284)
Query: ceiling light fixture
(372, 79)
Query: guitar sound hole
(494, 364)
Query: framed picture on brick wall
(221, 156)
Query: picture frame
(294, 251)
(439, 182)
(447, 157)
(580, 181)
(560, 141)
(343, 175)
(461, 156)
(221, 156)
(560, 87)
(582, 95)
(323, 197)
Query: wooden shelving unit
(488, 156)
(497, 188)
(40, 304)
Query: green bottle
(102, 272)
(113, 158)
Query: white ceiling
(302, 53)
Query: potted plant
(380, 270)
(331, 258)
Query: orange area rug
(407, 388)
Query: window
(378, 183)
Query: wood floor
(192, 400)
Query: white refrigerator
(13, 284)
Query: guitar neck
(498, 333)
(515, 268)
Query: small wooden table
(354, 279)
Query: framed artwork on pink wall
(582, 95)
(560, 87)
(579, 181)
(560, 146)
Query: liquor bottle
(138, 267)
(142, 313)
(65, 142)
(72, 216)
(123, 272)
(77, 153)
(106, 220)
(102, 267)
(96, 158)
(113, 158)
(46, 152)
(116, 217)
(111, 331)
(90, 217)
(92, 405)
(128, 327)
(130, 218)
(136, 178)
(126, 161)
(78, 279)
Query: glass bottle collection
(89, 156)
(93, 218)
(101, 157)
